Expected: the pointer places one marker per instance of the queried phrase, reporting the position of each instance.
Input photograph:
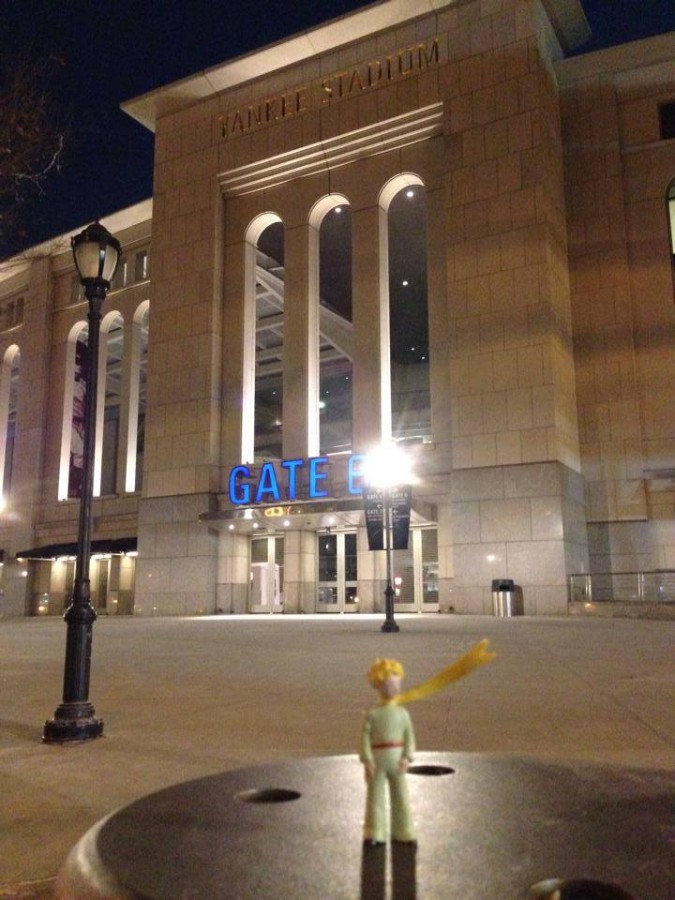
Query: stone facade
(550, 303)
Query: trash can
(507, 599)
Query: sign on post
(373, 501)
(401, 499)
(374, 508)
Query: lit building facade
(419, 223)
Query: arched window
(331, 300)
(109, 404)
(404, 202)
(137, 398)
(262, 413)
(9, 393)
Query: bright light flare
(387, 466)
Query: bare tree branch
(33, 135)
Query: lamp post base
(72, 723)
(389, 624)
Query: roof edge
(115, 222)
(631, 56)
(567, 17)
(569, 22)
(326, 37)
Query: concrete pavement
(183, 698)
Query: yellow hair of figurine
(381, 669)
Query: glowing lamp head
(96, 253)
(386, 467)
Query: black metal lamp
(389, 623)
(96, 254)
(385, 468)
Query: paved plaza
(183, 698)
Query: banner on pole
(401, 499)
(374, 508)
(373, 502)
(76, 465)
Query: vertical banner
(401, 499)
(374, 508)
(77, 426)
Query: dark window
(141, 266)
(335, 330)
(269, 342)
(11, 313)
(121, 274)
(667, 116)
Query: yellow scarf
(477, 656)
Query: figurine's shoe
(405, 842)
(371, 842)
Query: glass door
(428, 538)
(267, 575)
(337, 575)
(416, 573)
(100, 581)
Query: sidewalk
(183, 698)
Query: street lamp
(386, 469)
(96, 254)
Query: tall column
(233, 573)
(238, 389)
(371, 566)
(300, 586)
(300, 333)
(128, 407)
(371, 371)
(515, 446)
(30, 478)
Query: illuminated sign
(290, 479)
(351, 82)
(275, 512)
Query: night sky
(107, 53)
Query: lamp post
(389, 623)
(96, 254)
(385, 469)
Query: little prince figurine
(387, 749)
(388, 742)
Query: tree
(33, 133)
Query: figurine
(387, 749)
(388, 742)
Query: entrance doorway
(416, 573)
(337, 576)
(267, 575)
(100, 582)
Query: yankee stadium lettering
(351, 82)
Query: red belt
(388, 745)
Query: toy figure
(387, 749)
(388, 742)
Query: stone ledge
(623, 610)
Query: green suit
(387, 737)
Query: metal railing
(623, 587)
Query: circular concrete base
(488, 826)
